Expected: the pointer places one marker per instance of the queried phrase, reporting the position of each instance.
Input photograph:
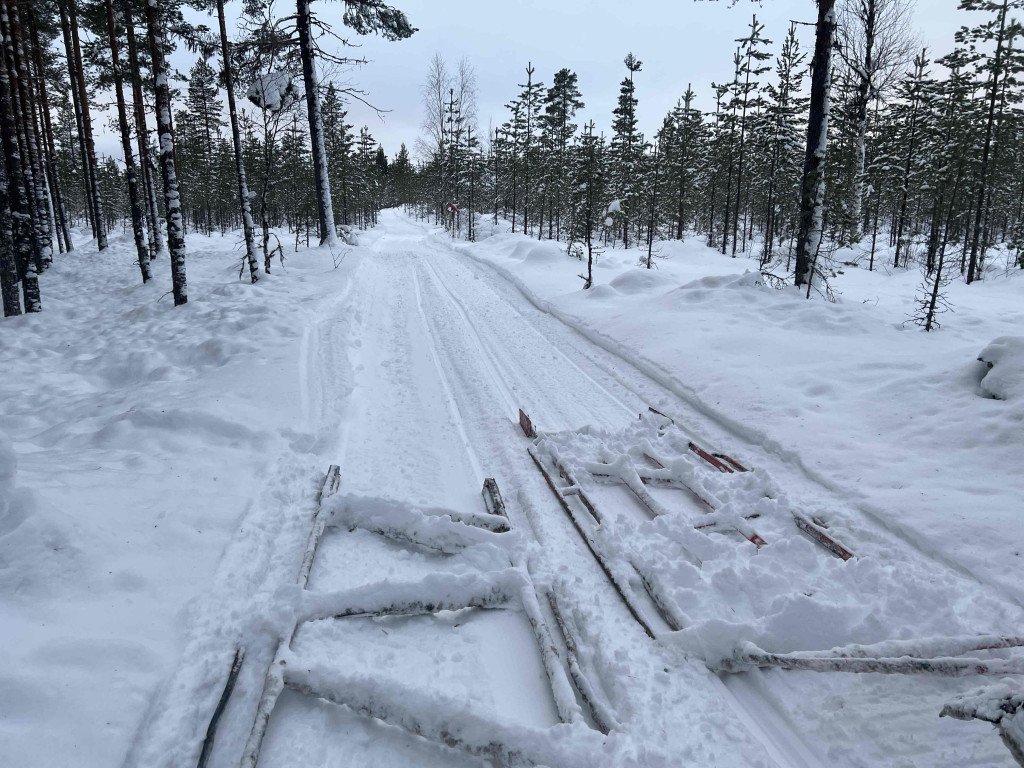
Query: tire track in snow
(453, 408)
(785, 748)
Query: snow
(1005, 360)
(273, 92)
(160, 464)
(155, 448)
(848, 395)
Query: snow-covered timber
(943, 666)
(446, 721)
(600, 711)
(564, 496)
(811, 529)
(568, 708)
(1002, 705)
(272, 682)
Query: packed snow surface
(159, 466)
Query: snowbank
(1005, 360)
(161, 446)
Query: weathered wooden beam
(622, 589)
(904, 665)
(526, 425)
(229, 686)
(273, 681)
(821, 538)
(492, 498)
(600, 711)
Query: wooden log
(720, 466)
(526, 425)
(600, 711)
(569, 710)
(329, 486)
(229, 686)
(460, 728)
(492, 498)
(489, 522)
(905, 665)
(273, 681)
(622, 588)
(736, 465)
(1005, 713)
(821, 538)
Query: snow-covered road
(443, 352)
(406, 365)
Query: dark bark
(45, 230)
(243, 187)
(23, 234)
(131, 177)
(997, 65)
(64, 233)
(8, 262)
(812, 187)
(172, 198)
(325, 210)
(142, 136)
(22, 103)
(90, 144)
(69, 52)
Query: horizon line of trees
(925, 157)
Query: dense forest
(865, 140)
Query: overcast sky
(679, 42)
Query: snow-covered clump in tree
(273, 92)
(1005, 360)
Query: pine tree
(561, 103)
(1000, 31)
(626, 147)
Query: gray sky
(679, 41)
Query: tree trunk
(812, 187)
(861, 119)
(243, 188)
(90, 214)
(325, 210)
(90, 145)
(51, 151)
(8, 262)
(972, 269)
(142, 136)
(22, 232)
(172, 199)
(126, 145)
(21, 99)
